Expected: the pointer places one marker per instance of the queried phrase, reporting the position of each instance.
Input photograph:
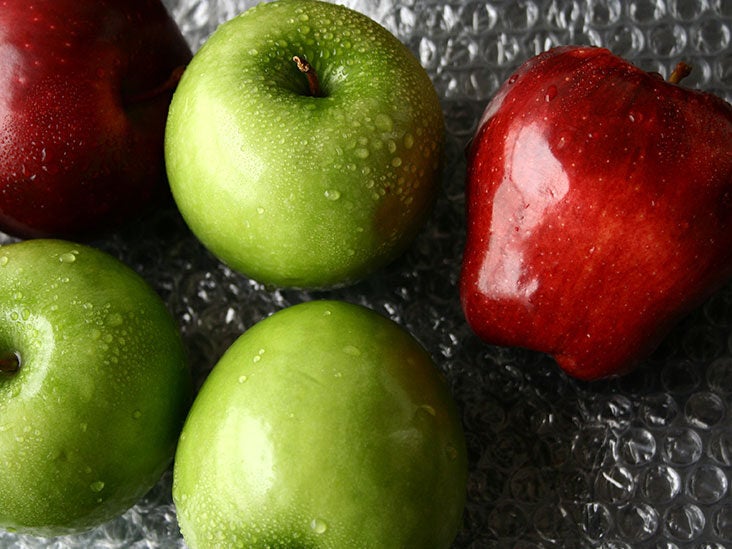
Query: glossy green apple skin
(324, 425)
(90, 420)
(295, 190)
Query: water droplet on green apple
(97, 486)
(115, 319)
(351, 350)
(332, 194)
(318, 526)
(361, 152)
(3, 261)
(242, 379)
(83, 426)
(137, 414)
(68, 257)
(384, 123)
(427, 408)
(396, 161)
(260, 210)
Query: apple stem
(308, 70)
(681, 71)
(166, 86)
(9, 363)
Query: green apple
(304, 144)
(324, 425)
(94, 387)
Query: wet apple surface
(642, 460)
(599, 208)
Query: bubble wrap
(641, 461)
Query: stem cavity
(9, 363)
(308, 70)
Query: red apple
(84, 92)
(599, 210)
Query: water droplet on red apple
(551, 93)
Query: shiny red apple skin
(84, 93)
(599, 210)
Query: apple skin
(324, 425)
(90, 420)
(599, 210)
(84, 94)
(296, 190)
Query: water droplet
(451, 453)
(83, 427)
(318, 526)
(351, 350)
(4, 261)
(429, 409)
(68, 257)
(114, 319)
(332, 194)
(260, 210)
(361, 152)
(408, 141)
(137, 414)
(384, 123)
(242, 379)
(396, 161)
(551, 93)
(97, 486)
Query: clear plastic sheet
(644, 460)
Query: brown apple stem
(169, 85)
(9, 363)
(308, 70)
(681, 71)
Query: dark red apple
(599, 210)
(84, 92)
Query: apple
(304, 144)
(324, 425)
(599, 210)
(84, 94)
(94, 387)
